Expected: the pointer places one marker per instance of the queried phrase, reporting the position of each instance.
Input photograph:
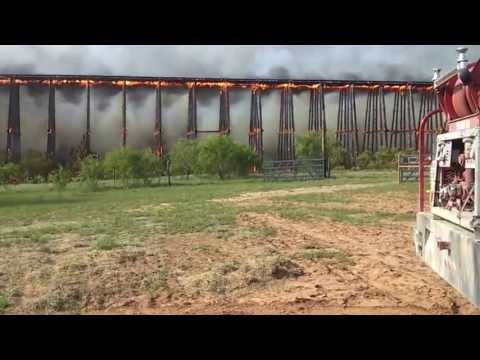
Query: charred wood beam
(124, 115)
(347, 127)
(13, 131)
(255, 135)
(158, 141)
(192, 114)
(51, 122)
(231, 81)
(316, 115)
(85, 145)
(224, 117)
(375, 126)
(286, 133)
(403, 127)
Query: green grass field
(34, 214)
(47, 229)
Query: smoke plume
(394, 63)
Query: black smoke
(71, 93)
(103, 96)
(279, 72)
(136, 96)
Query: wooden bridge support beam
(124, 115)
(192, 113)
(13, 131)
(286, 132)
(403, 128)
(159, 146)
(347, 127)
(255, 135)
(51, 122)
(375, 128)
(316, 115)
(224, 116)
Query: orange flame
(210, 84)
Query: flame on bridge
(221, 85)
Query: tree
(220, 155)
(184, 156)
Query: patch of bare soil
(381, 276)
(388, 202)
(271, 265)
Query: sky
(357, 62)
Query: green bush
(10, 173)
(338, 156)
(60, 178)
(386, 158)
(220, 155)
(91, 171)
(105, 242)
(151, 166)
(366, 160)
(309, 146)
(129, 164)
(35, 163)
(184, 157)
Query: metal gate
(301, 169)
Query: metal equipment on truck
(447, 237)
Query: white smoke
(370, 62)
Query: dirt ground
(295, 267)
(386, 278)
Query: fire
(213, 84)
(221, 85)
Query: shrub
(10, 173)
(184, 157)
(366, 160)
(35, 163)
(309, 146)
(60, 178)
(91, 170)
(127, 163)
(220, 155)
(386, 158)
(337, 155)
(151, 166)
(105, 242)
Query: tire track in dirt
(387, 274)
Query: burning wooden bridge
(377, 131)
